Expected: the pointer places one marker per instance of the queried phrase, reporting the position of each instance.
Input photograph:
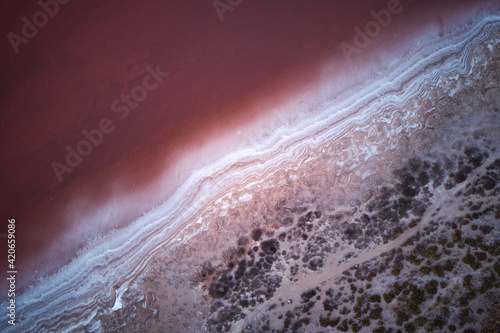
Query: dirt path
(444, 201)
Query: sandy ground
(338, 232)
(381, 220)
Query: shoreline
(261, 161)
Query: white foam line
(120, 257)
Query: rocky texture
(406, 239)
